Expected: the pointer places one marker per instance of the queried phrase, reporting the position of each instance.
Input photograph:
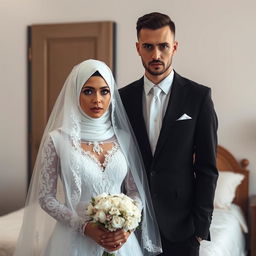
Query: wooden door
(53, 50)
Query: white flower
(100, 216)
(89, 209)
(117, 222)
(131, 223)
(115, 201)
(136, 212)
(114, 211)
(99, 197)
(104, 205)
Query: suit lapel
(139, 125)
(173, 111)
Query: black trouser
(188, 247)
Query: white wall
(216, 47)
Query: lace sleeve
(131, 190)
(48, 189)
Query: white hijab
(94, 129)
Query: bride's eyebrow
(90, 87)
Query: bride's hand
(115, 240)
(97, 233)
(109, 240)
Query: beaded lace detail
(107, 156)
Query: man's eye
(147, 46)
(105, 91)
(164, 46)
(87, 91)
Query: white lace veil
(66, 117)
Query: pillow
(226, 188)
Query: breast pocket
(184, 121)
(183, 128)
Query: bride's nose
(97, 98)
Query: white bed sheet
(227, 233)
(10, 225)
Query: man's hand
(199, 239)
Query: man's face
(156, 49)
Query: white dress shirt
(165, 86)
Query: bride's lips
(96, 109)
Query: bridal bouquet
(114, 212)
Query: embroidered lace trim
(48, 189)
(148, 244)
(107, 156)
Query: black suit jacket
(182, 173)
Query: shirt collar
(164, 85)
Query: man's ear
(175, 46)
(138, 47)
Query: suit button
(154, 195)
(153, 173)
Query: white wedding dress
(89, 178)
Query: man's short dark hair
(154, 20)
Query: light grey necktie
(154, 118)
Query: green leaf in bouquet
(108, 254)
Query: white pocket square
(184, 117)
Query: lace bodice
(87, 178)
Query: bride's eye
(87, 91)
(105, 91)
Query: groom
(176, 128)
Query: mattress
(10, 225)
(227, 231)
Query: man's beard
(156, 73)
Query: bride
(87, 148)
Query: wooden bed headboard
(227, 162)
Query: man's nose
(156, 54)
